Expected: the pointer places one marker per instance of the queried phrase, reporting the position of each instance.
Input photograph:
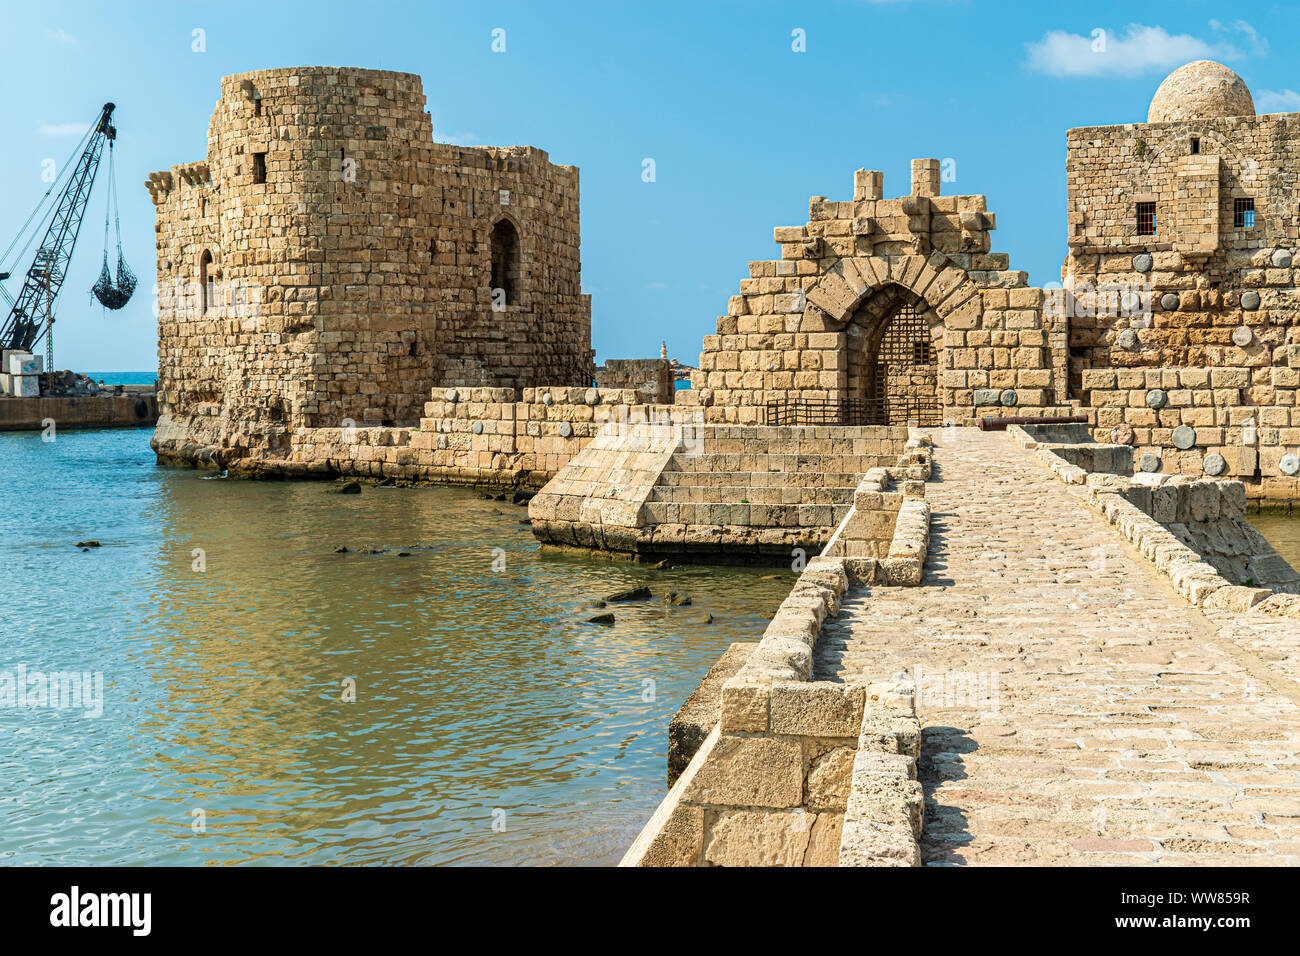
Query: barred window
(1243, 213)
(1146, 218)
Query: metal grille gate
(904, 389)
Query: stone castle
(382, 267)
(328, 262)
(369, 303)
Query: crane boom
(27, 322)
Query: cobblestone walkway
(1075, 709)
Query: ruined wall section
(541, 333)
(805, 327)
(328, 264)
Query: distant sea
(124, 378)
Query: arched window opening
(505, 262)
(207, 282)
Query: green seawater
(1282, 531)
(490, 725)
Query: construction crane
(31, 312)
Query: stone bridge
(1093, 669)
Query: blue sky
(742, 128)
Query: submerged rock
(629, 594)
(87, 545)
(403, 554)
(704, 617)
(677, 598)
(349, 488)
(343, 549)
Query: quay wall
(107, 410)
(476, 436)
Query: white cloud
(61, 36)
(458, 139)
(1139, 49)
(61, 129)
(1258, 45)
(1277, 101)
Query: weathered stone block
(818, 709)
(749, 772)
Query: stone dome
(1200, 90)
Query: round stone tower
(329, 263)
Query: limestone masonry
(327, 263)
(1064, 643)
(330, 266)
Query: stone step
(774, 464)
(750, 515)
(742, 494)
(760, 479)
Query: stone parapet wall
(1243, 421)
(885, 536)
(1192, 530)
(468, 436)
(488, 432)
(773, 780)
(653, 378)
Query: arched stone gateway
(884, 312)
(892, 347)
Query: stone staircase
(776, 491)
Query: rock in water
(87, 544)
(677, 598)
(350, 488)
(629, 594)
(342, 549)
(605, 617)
